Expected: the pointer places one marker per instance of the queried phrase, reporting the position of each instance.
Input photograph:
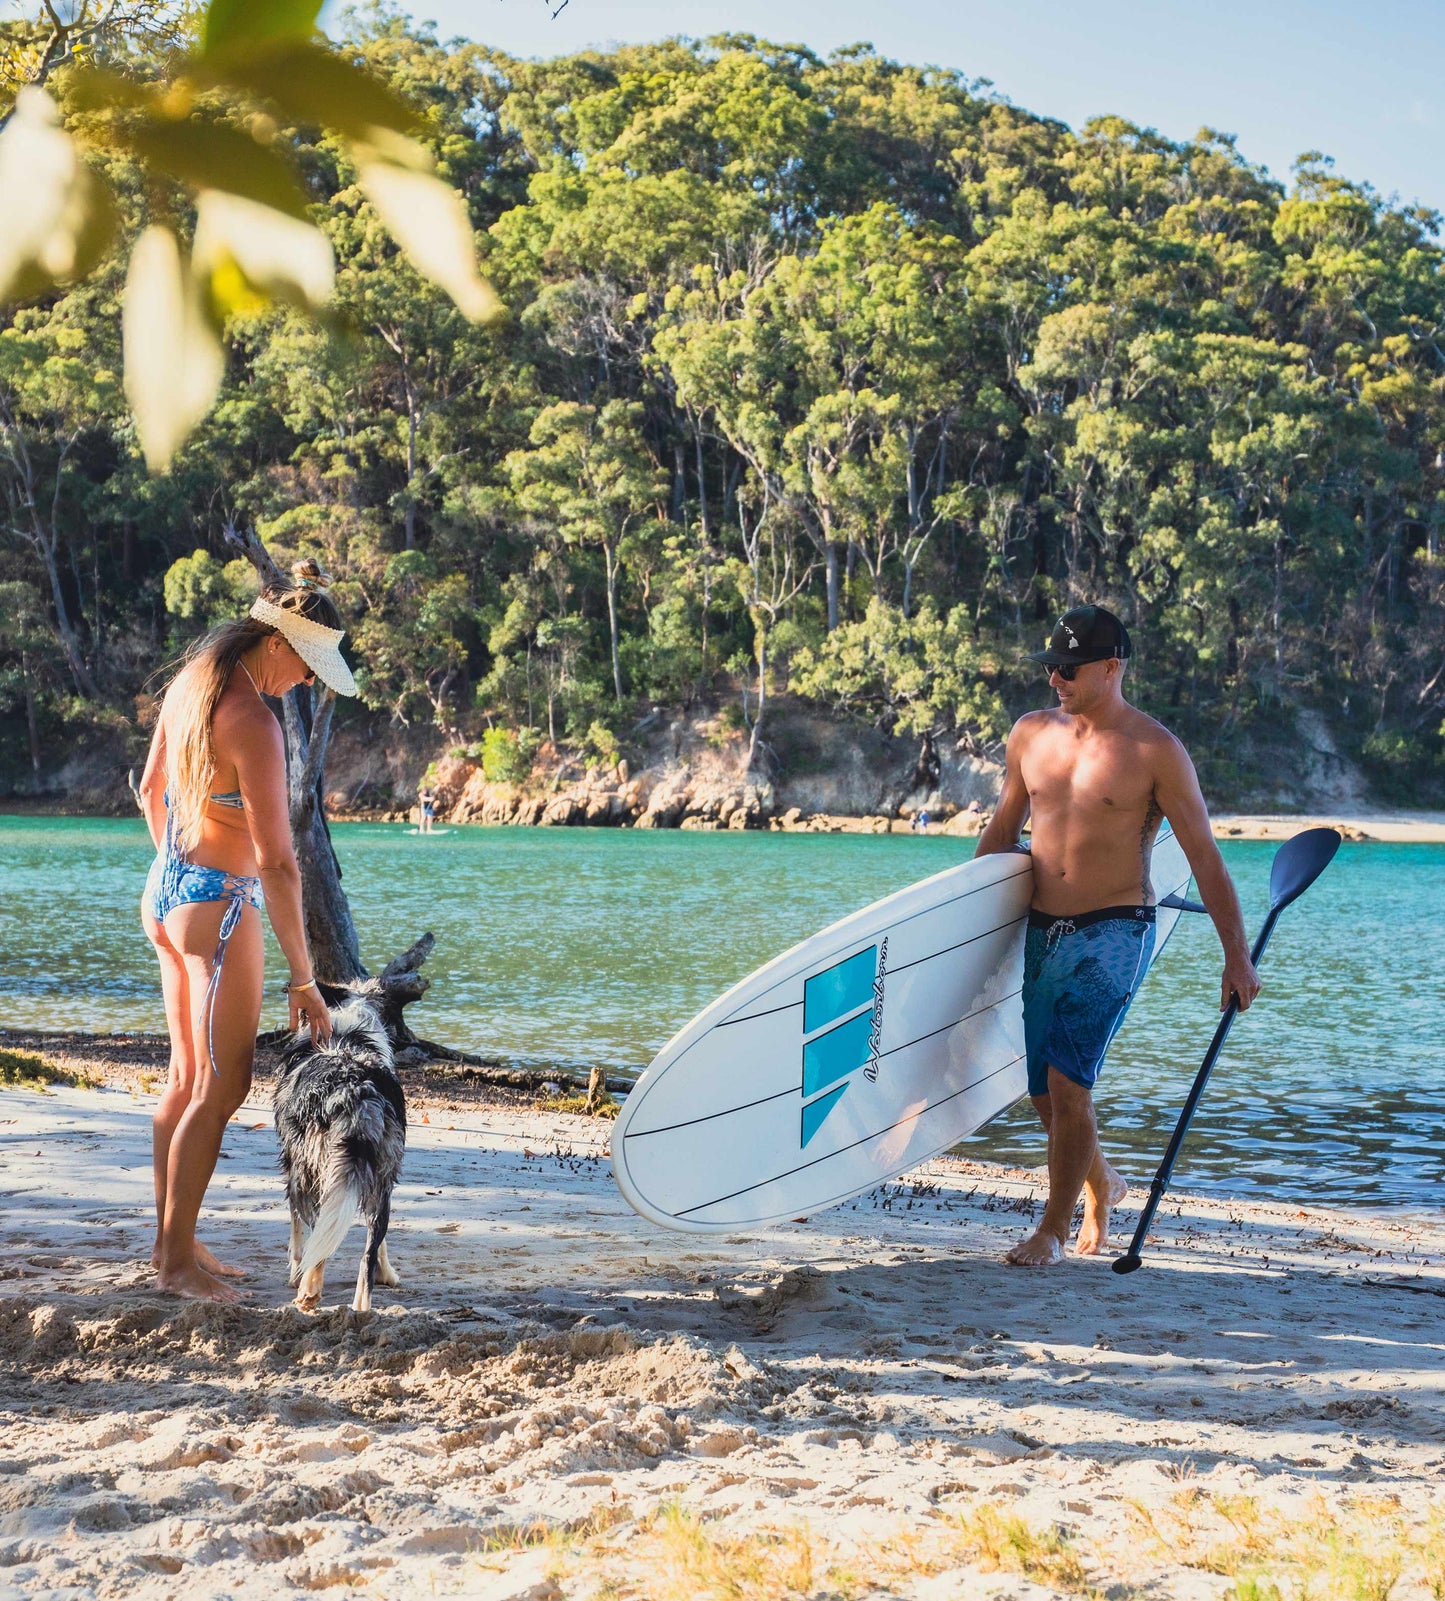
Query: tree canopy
(835, 375)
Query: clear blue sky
(1361, 80)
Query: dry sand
(869, 1403)
(1418, 828)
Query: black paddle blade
(1127, 1264)
(1298, 863)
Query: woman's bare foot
(1043, 1248)
(214, 1266)
(207, 1261)
(195, 1284)
(1094, 1230)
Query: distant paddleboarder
(426, 797)
(1096, 776)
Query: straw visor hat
(315, 643)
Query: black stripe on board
(938, 906)
(918, 961)
(707, 1117)
(762, 1100)
(802, 1167)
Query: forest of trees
(834, 377)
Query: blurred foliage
(831, 375)
(506, 755)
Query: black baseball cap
(1085, 634)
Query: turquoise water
(575, 946)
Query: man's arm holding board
(1012, 811)
(1176, 788)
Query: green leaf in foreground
(283, 258)
(59, 218)
(173, 356)
(312, 84)
(215, 155)
(233, 24)
(429, 221)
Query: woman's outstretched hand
(306, 1001)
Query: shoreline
(562, 1401)
(1384, 826)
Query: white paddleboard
(852, 1057)
(429, 833)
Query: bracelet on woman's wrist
(306, 984)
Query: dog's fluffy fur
(341, 1120)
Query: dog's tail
(338, 1212)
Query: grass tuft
(1352, 1549)
(579, 1105)
(1003, 1542)
(23, 1071)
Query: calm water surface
(578, 946)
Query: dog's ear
(333, 994)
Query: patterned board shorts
(1080, 973)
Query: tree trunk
(32, 724)
(64, 631)
(330, 928)
(832, 559)
(610, 553)
(757, 731)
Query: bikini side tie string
(208, 1005)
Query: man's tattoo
(1146, 844)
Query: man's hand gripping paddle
(1297, 864)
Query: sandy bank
(1418, 828)
(866, 1404)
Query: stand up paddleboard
(852, 1057)
(429, 832)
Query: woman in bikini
(214, 796)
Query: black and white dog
(341, 1120)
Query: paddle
(1297, 864)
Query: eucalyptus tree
(588, 473)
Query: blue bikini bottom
(172, 882)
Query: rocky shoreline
(676, 796)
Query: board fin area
(815, 1111)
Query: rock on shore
(694, 774)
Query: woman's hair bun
(309, 574)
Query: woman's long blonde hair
(200, 678)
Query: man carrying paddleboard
(1096, 776)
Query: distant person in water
(214, 796)
(1096, 776)
(428, 802)
(920, 823)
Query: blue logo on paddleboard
(842, 1025)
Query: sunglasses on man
(1069, 671)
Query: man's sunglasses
(1069, 671)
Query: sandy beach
(563, 1401)
(1398, 828)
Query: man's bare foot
(1042, 1249)
(195, 1284)
(1094, 1230)
(207, 1261)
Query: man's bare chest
(1104, 778)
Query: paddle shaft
(1196, 1092)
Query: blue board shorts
(1080, 973)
